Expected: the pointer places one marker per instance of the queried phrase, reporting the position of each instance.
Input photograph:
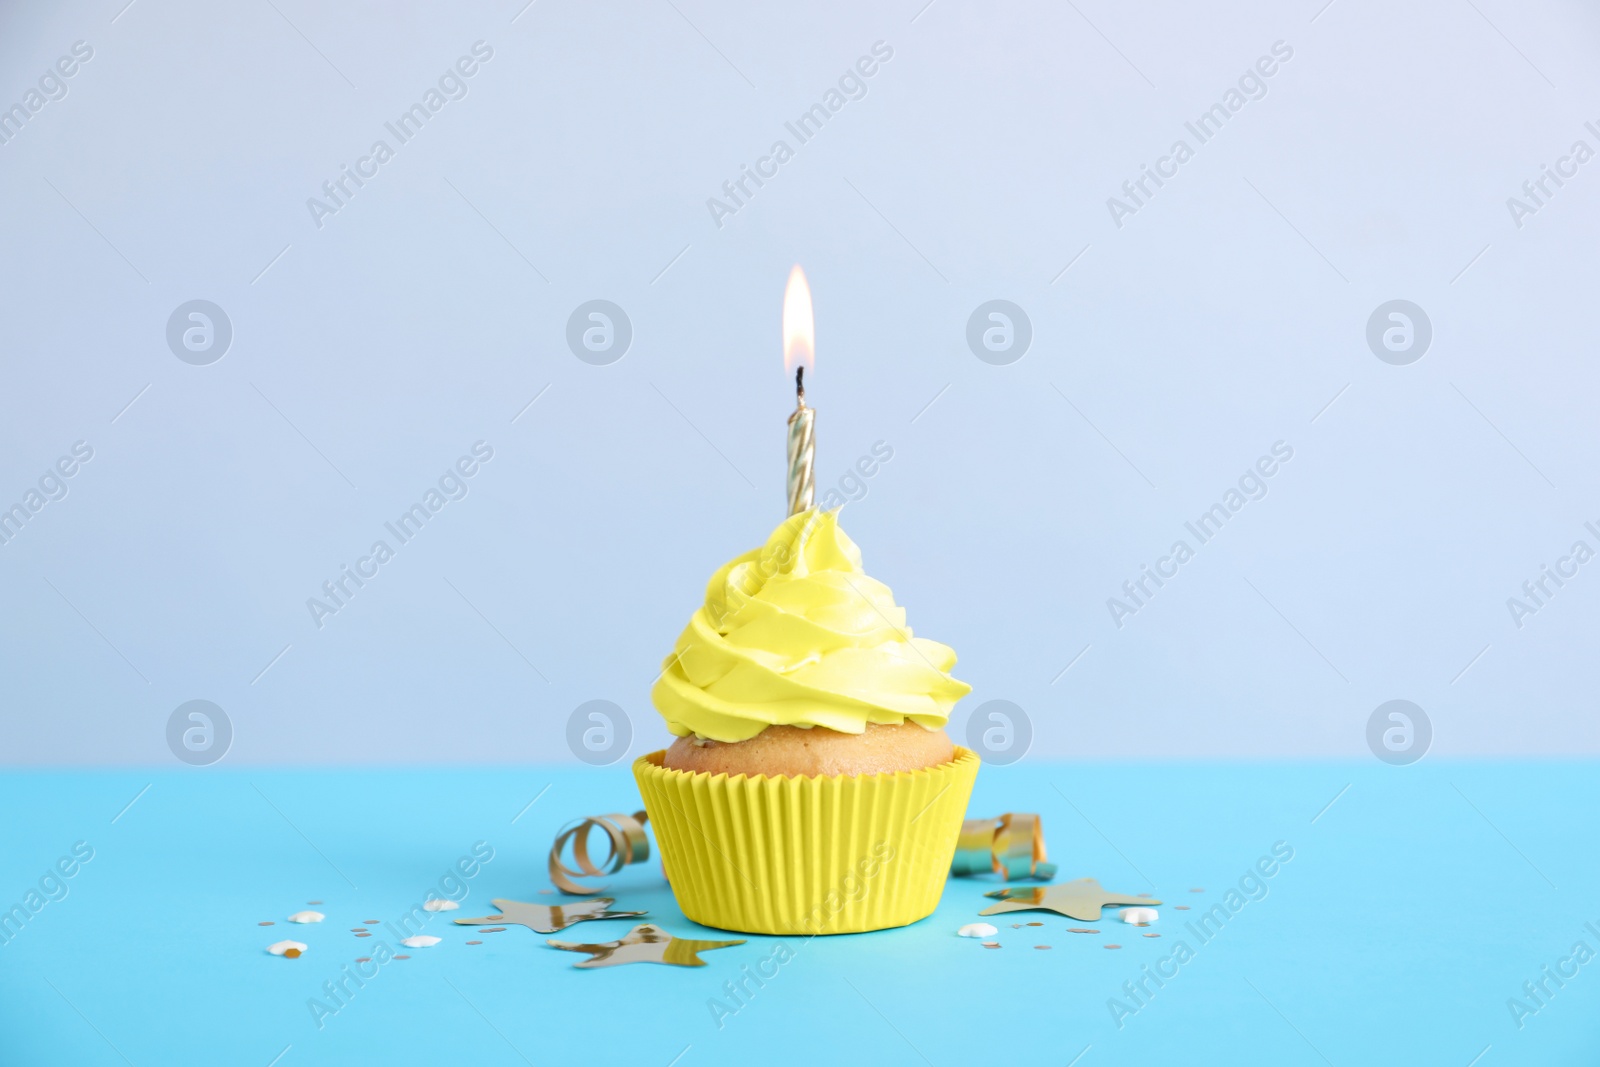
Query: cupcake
(812, 787)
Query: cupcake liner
(807, 855)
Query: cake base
(796, 751)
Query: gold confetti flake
(644, 944)
(1080, 899)
(545, 918)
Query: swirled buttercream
(795, 633)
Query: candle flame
(799, 324)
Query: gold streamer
(625, 836)
(1012, 846)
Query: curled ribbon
(1012, 846)
(624, 834)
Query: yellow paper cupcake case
(807, 855)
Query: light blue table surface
(1416, 906)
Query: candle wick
(800, 385)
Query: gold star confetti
(1081, 899)
(550, 919)
(644, 944)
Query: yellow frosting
(796, 634)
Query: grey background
(1228, 314)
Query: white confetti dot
(976, 930)
(307, 917)
(420, 941)
(439, 905)
(1140, 915)
(278, 948)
